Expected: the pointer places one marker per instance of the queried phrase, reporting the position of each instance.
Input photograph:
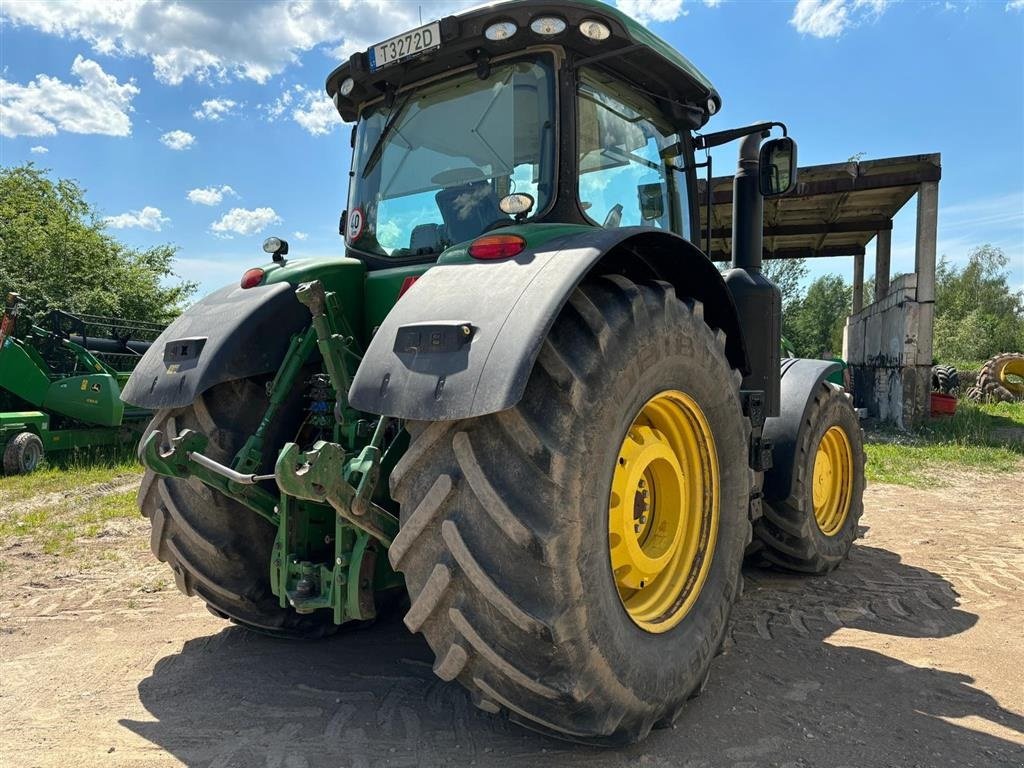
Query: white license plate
(412, 43)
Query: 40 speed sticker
(356, 222)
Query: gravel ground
(909, 655)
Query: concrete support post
(924, 265)
(858, 284)
(883, 251)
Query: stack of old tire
(945, 379)
(1001, 380)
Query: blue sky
(147, 103)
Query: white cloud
(646, 11)
(240, 221)
(40, 150)
(204, 40)
(310, 108)
(209, 195)
(300, 235)
(148, 218)
(830, 18)
(279, 107)
(1015, 5)
(315, 112)
(178, 140)
(215, 109)
(46, 105)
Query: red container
(943, 405)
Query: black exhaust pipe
(758, 300)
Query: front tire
(813, 529)
(505, 541)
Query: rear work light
(497, 247)
(252, 278)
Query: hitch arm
(185, 459)
(319, 475)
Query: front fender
(462, 341)
(800, 379)
(233, 333)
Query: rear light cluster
(252, 277)
(491, 247)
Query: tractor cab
(517, 113)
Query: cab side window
(630, 169)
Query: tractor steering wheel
(614, 217)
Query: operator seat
(426, 238)
(468, 209)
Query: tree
(55, 252)
(788, 275)
(977, 315)
(814, 323)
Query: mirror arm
(708, 140)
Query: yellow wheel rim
(832, 489)
(663, 511)
(1011, 376)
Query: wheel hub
(832, 481)
(663, 511)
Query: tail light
(252, 278)
(497, 247)
(407, 284)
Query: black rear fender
(233, 333)
(463, 340)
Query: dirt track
(910, 655)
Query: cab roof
(632, 51)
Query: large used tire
(945, 379)
(23, 454)
(505, 524)
(1001, 378)
(813, 529)
(218, 549)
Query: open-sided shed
(836, 210)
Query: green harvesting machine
(60, 385)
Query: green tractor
(525, 397)
(60, 385)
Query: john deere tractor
(524, 397)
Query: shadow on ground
(779, 695)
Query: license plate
(412, 43)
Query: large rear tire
(218, 549)
(506, 540)
(813, 529)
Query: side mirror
(778, 166)
(652, 202)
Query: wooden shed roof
(835, 209)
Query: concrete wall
(888, 348)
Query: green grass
(56, 506)
(56, 527)
(57, 479)
(979, 438)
